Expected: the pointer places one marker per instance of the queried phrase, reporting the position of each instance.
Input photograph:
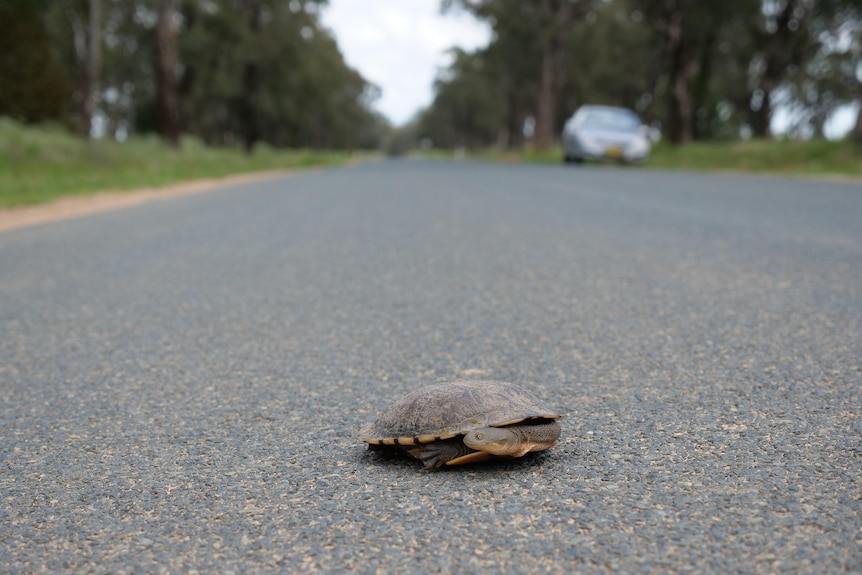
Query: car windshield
(618, 120)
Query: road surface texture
(183, 381)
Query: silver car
(605, 133)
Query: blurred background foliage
(251, 72)
(702, 70)
(230, 72)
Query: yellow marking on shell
(433, 438)
(412, 440)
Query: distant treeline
(239, 72)
(231, 72)
(698, 69)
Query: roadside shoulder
(78, 206)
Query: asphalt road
(183, 382)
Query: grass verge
(792, 157)
(779, 157)
(39, 164)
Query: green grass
(39, 164)
(786, 157)
(792, 157)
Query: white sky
(399, 45)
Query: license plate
(614, 152)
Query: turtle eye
(480, 436)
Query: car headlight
(639, 147)
(589, 144)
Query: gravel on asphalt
(182, 383)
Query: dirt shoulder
(77, 206)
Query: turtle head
(494, 440)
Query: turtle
(464, 421)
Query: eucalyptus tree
(467, 111)
(838, 64)
(688, 32)
(166, 67)
(613, 59)
(783, 41)
(80, 23)
(538, 31)
(267, 70)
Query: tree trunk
(702, 118)
(680, 101)
(167, 57)
(856, 134)
(546, 102)
(249, 113)
(503, 137)
(250, 81)
(555, 20)
(88, 51)
(779, 55)
(761, 117)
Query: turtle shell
(446, 410)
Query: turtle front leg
(436, 455)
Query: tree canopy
(227, 71)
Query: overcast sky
(399, 45)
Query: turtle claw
(432, 459)
(436, 455)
